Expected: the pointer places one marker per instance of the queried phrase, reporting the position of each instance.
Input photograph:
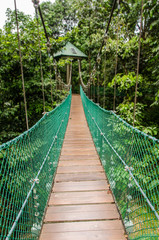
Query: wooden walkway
(81, 206)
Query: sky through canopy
(25, 6)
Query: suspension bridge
(81, 172)
(78, 200)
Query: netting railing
(28, 165)
(131, 162)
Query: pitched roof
(70, 51)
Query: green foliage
(126, 110)
(11, 96)
(125, 82)
(60, 16)
(83, 23)
(152, 130)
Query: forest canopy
(83, 23)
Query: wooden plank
(80, 186)
(77, 145)
(79, 216)
(81, 152)
(79, 141)
(79, 163)
(81, 213)
(66, 198)
(83, 226)
(67, 177)
(84, 140)
(85, 235)
(77, 148)
(81, 208)
(76, 137)
(77, 131)
(79, 157)
(80, 169)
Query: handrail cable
(36, 180)
(124, 163)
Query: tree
(11, 95)
(60, 16)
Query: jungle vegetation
(82, 23)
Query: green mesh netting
(28, 165)
(131, 162)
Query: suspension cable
(37, 7)
(41, 64)
(92, 75)
(105, 58)
(138, 64)
(50, 77)
(36, 3)
(94, 83)
(49, 54)
(116, 61)
(55, 69)
(98, 80)
(68, 85)
(98, 58)
(21, 66)
(107, 28)
(91, 82)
